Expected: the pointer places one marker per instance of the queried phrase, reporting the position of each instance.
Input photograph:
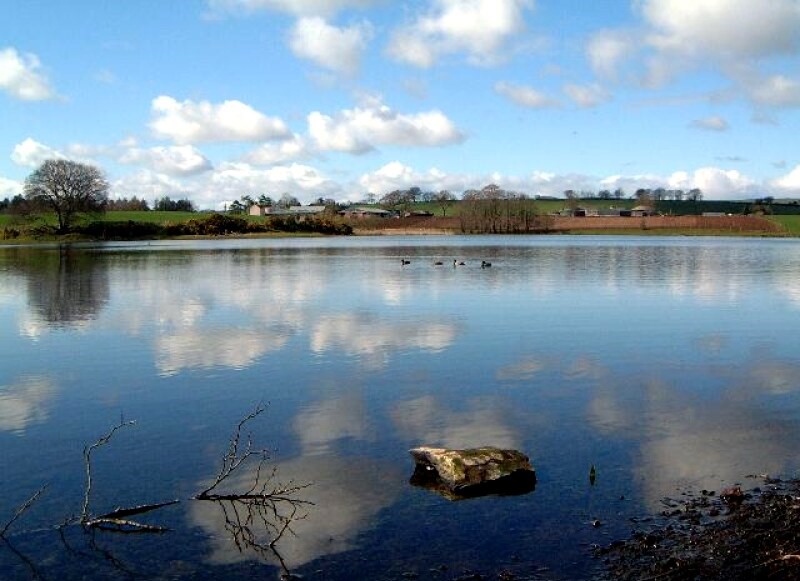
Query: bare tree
(444, 200)
(67, 188)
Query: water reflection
(321, 424)
(204, 348)
(429, 422)
(705, 445)
(373, 339)
(346, 495)
(25, 402)
(65, 288)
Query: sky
(214, 99)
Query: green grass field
(791, 223)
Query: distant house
(259, 210)
(639, 211)
(582, 212)
(362, 213)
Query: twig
(119, 513)
(22, 508)
(235, 457)
(87, 457)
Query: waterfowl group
(456, 262)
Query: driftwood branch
(236, 456)
(87, 459)
(21, 510)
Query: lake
(669, 364)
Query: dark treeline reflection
(64, 285)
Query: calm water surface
(668, 364)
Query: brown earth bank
(729, 535)
(566, 224)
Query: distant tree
(444, 200)
(619, 193)
(67, 188)
(287, 200)
(133, 204)
(166, 204)
(370, 198)
(694, 195)
(264, 200)
(236, 207)
(604, 194)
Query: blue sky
(213, 99)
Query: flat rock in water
(473, 472)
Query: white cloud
(197, 122)
(716, 183)
(525, 96)
(333, 48)
(586, 96)
(31, 153)
(775, 91)
(790, 182)
(725, 29)
(230, 180)
(480, 29)
(180, 160)
(9, 188)
(150, 185)
(607, 49)
(21, 76)
(735, 38)
(299, 7)
(360, 129)
(279, 152)
(714, 123)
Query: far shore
(727, 226)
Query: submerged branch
(87, 458)
(21, 510)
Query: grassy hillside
(791, 223)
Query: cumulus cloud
(179, 160)
(714, 123)
(715, 183)
(586, 96)
(9, 188)
(330, 47)
(31, 153)
(525, 96)
(361, 129)
(726, 29)
(736, 38)
(22, 78)
(299, 7)
(233, 178)
(775, 91)
(480, 29)
(150, 184)
(790, 182)
(187, 122)
(607, 49)
(279, 152)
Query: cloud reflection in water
(25, 402)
